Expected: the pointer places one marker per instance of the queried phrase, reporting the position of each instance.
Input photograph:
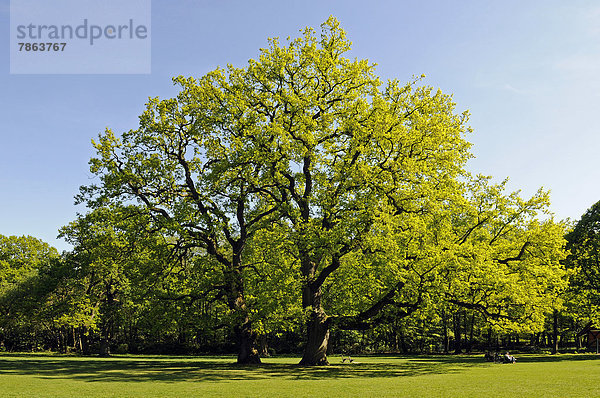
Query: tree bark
(245, 336)
(104, 347)
(457, 334)
(470, 346)
(84, 345)
(247, 352)
(445, 332)
(317, 326)
(555, 333)
(403, 343)
(264, 346)
(394, 333)
(315, 351)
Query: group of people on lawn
(496, 357)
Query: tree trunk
(445, 329)
(106, 328)
(74, 336)
(315, 351)
(104, 348)
(245, 336)
(457, 334)
(470, 346)
(555, 333)
(247, 352)
(317, 325)
(403, 343)
(394, 332)
(84, 345)
(264, 346)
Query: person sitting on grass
(509, 358)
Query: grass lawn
(30, 375)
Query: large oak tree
(357, 180)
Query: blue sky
(529, 72)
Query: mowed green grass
(29, 375)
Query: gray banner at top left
(80, 37)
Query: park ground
(34, 375)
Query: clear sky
(529, 72)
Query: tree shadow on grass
(206, 369)
(214, 369)
(557, 358)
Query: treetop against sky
(526, 71)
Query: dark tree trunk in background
(446, 336)
(263, 346)
(403, 344)
(79, 342)
(555, 333)
(104, 350)
(62, 341)
(83, 344)
(457, 334)
(465, 329)
(472, 326)
(107, 324)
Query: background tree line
(298, 204)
